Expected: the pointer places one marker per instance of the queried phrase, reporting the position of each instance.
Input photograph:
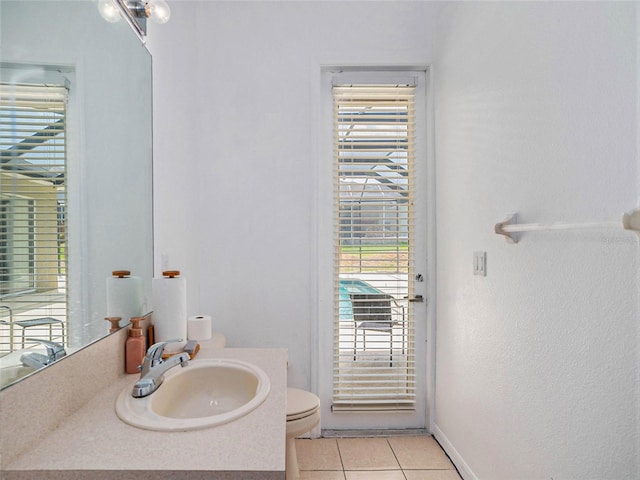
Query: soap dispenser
(135, 347)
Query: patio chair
(46, 322)
(40, 322)
(373, 312)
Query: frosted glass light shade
(159, 11)
(109, 11)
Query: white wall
(536, 112)
(236, 91)
(537, 364)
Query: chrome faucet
(55, 351)
(153, 368)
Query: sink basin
(204, 394)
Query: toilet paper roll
(199, 327)
(124, 298)
(170, 311)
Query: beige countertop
(94, 443)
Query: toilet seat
(302, 415)
(301, 404)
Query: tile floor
(379, 458)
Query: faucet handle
(55, 351)
(155, 351)
(154, 356)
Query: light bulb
(109, 11)
(159, 11)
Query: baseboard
(408, 432)
(463, 469)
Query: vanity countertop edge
(93, 440)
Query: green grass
(374, 258)
(404, 247)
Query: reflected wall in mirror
(76, 175)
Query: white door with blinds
(33, 260)
(378, 321)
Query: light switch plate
(480, 263)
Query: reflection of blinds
(374, 353)
(33, 211)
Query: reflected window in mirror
(33, 213)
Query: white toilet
(303, 414)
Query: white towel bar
(630, 221)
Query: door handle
(416, 298)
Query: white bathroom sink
(204, 394)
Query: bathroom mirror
(84, 154)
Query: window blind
(374, 366)
(32, 212)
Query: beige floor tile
(375, 475)
(367, 454)
(419, 453)
(431, 475)
(321, 475)
(318, 454)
